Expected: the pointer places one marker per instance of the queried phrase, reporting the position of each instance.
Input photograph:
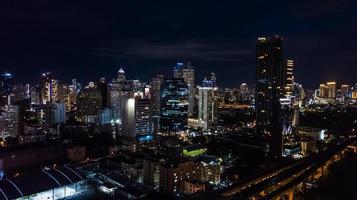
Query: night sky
(91, 39)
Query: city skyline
(67, 38)
(127, 99)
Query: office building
(48, 88)
(289, 78)
(207, 111)
(186, 72)
(55, 113)
(105, 116)
(6, 87)
(331, 90)
(9, 121)
(174, 173)
(89, 101)
(270, 84)
(155, 90)
(174, 107)
(327, 90)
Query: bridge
(286, 181)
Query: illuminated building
(174, 173)
(6, 85)
(270, 84)
(244, 91)
(322, 91)
(155, 100)
(121, 75)
(354, 95)
(48, 88)
(136, 118)
(105, 116)
(210, 169)
(142, 119)
(21, 92)
(89, 101)
(186, 72)
(117, 89)
(114, 103)
(207, 114)
(345, 89)
(174, 107)
(296, 116)
(289, 79)
(151, 171)
(55, 113)
(331, 90)
(327, 90)
(9, 121)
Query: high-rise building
(345, 90)
(322, 91)
(135, 117)
(105, 116)
(155, 90)
(186, 72)
(103, 89)
(6, 85)
(270, 84)
(331, 89)
(48, 88)
(151, 172)
(142, 119)
(9, 121)
(89, 101)
(289, 79)
(207, 114)
(55, 113)
(174, 107)
(121, 75)
(327, 90)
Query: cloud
(188, 50)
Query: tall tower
(289, 79)
(48, 88)
(6, 84)
(270, 83)
(207, 114)
(186, 72)
(156, 83)
(174, 107)
(121, 75)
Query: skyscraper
(48, 88)
(174, 107)
(331, 89)
(155, 90)
(206, 104)
(327, 90)
(88, 103)
(289, 79)
(187, 72)
(6, 85)
(270, 83)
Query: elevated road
(277, 181)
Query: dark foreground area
(340, 182)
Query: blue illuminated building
(174, 107)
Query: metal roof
(40, 181)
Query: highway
(279, 180)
